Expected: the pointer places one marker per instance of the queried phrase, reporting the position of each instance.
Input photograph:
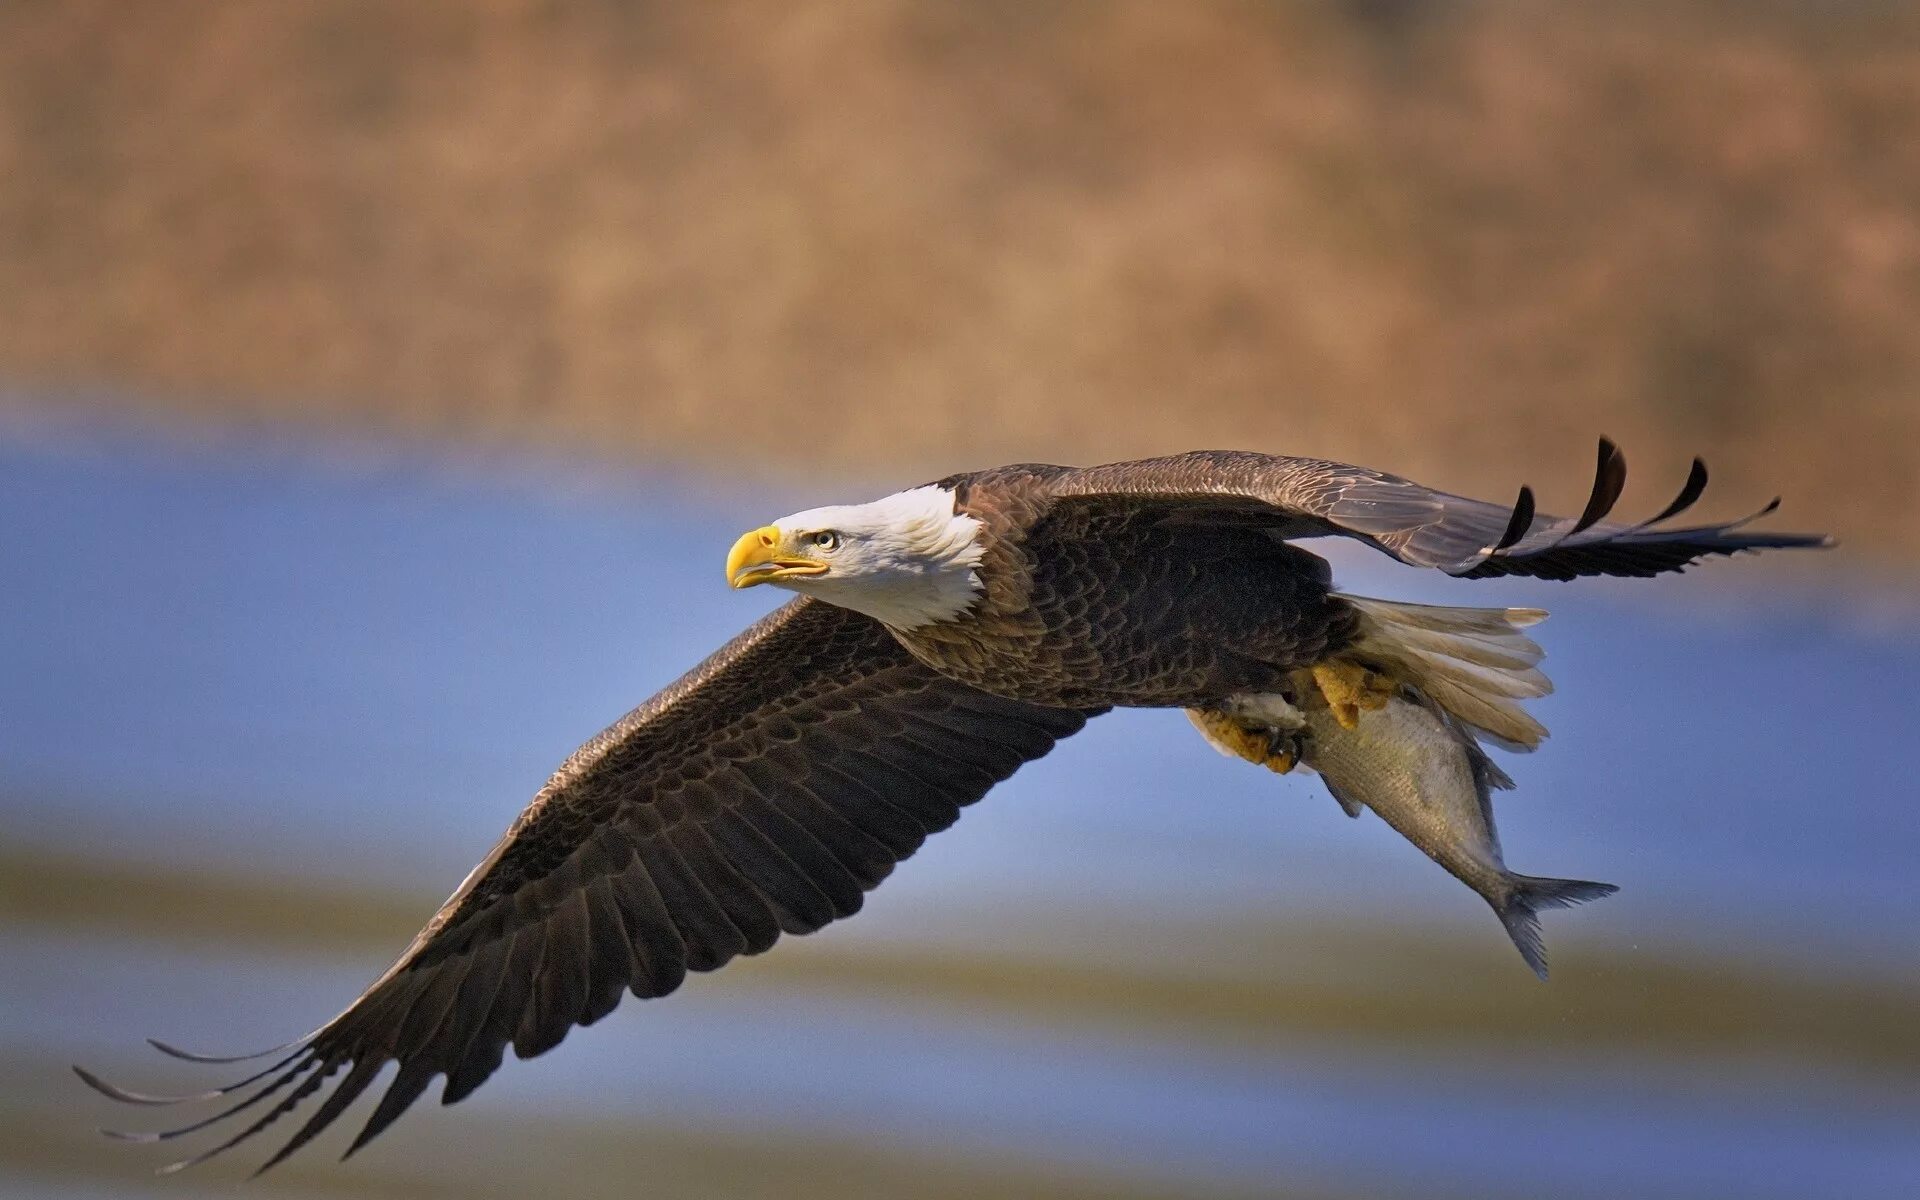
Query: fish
(1420, 770)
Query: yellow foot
(1257, 743)
(1350, 689)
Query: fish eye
(826, 539)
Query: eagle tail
(1473, 662)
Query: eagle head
(906, 560)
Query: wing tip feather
(173, 1051)
(1586, 547)
(1609, 480)
(1518, 523)
(113, 1091)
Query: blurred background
(381, 387)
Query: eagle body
(1092, 606)
(944, 636)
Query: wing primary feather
(1690, 492)
(957, 759)
(535, 948)
(921, 797)
(897, 827)
(1656, 536)
(363, 1073)
(124, 1096)
(801, 906)
(1518, 523)
(423, 1020)
(559, 994)
(307, 1087)
(708, 936)
(168, 1135)
(660, 962)
(1609, 479)
(219, 1059)
(860, 854)
(406, 1088)
(609, 951)
(478, 1054)
(419, 1027)
(807, 852)
(752, 912)
(803, 845)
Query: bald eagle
(942, 637)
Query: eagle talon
(1350, 689)
(1277, 749)
(1284, 751)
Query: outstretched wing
(764, 791)
(1308, 497)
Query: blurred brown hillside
(890, 238)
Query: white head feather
(905, 560)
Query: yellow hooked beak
(761, 557)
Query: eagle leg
(1350, 689)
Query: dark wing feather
(1309, 497)
(764, 791)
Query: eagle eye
(826, 539)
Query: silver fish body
(1426, 777)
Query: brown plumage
(779, 780)
(1095, 604)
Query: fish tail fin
(1531, 893)
(1473, 662)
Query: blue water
(338, 662)
(803, 1062)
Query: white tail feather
(1473, 662)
